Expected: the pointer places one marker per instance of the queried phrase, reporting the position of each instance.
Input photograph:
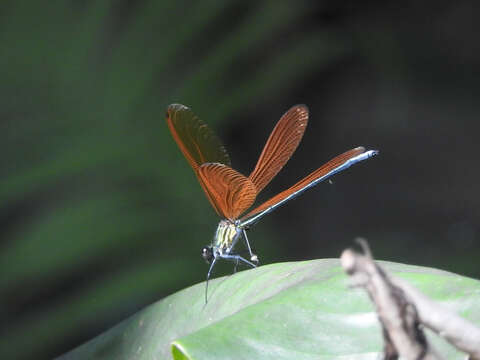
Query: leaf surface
(298, 310)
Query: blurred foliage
(97, 205)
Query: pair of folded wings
(230, 192)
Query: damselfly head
(207, 254)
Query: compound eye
(207, 254)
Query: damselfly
(232, 193)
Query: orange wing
(305, 182)
(229, 192)
(280, 146)
(195, 139)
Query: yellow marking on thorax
(225, 234)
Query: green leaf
(301, 310)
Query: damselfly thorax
(230, 193)
(226, 237)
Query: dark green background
(99, 213)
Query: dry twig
(402, 309)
